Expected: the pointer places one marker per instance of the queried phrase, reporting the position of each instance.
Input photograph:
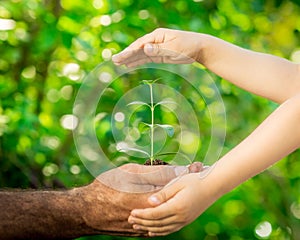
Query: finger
(140, 178)
(156, 36)
(138, 168)
(162, 50)
(142, 41)
(173, 171)
(139, 62)
(153, 213)
(146, 59)
(130, 178)
(141, 58)
(135, 60)
(156, 59)
(162, 211)
(195, 167)
(157, 53)
(163, 196)
(152, 223)
(128, 52)
(154, 50)
(158, 231)
(121, 56)
(153, 234)
(167, 53)
(159, 176)
(128, 55)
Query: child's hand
(178, 204)
(161, 46)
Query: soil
(155, 162)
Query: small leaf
(142, 126)
(165, 102)
(168, 128)
(149, 82)
(140, 103)
(127, 149)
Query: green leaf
(165, 102)
(168, 128)
(149, 82)
(144, 126)
(146, 82)
(128, 149)
(139, 103)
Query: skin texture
(179, 203)
(97, 208)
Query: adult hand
(135, 178)
(89, 210)
(107, 209)
(161, 46)
(175, 206)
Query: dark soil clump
(156, 162)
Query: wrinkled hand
(161, 46)
(135, 178)
(107, 209)
(177, 205)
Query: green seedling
(152, 125)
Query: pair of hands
(117, 192)
(180, 202)
(269, 76)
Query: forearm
(42, 215)
(262, 74)
(89, 210)
(93, 209)
(274, 139)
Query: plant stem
(152, 124)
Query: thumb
(163, 195)
(155, 49)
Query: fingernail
(149, 47)
(133, 213)
(114, 58)
(130, 220)
(195, 167)
(151, 234)
(136, 227)
(180, 170)
(154, 200)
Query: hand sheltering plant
(152, 125)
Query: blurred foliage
(46, 49)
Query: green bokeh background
(37, 90)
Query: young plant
(152, 125)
